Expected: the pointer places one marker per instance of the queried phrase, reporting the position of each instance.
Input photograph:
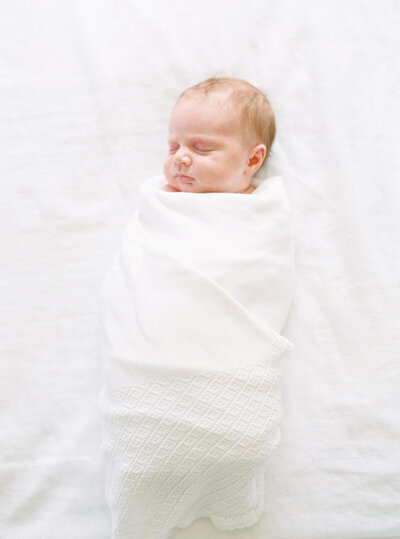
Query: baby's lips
(184, 178)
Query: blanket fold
(191, 312)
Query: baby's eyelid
(196, 148)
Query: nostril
(182, 158)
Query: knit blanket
(191, 314)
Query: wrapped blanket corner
(191, 315)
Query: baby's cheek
(218, 170)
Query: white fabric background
(86, 90)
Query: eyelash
(195, 149)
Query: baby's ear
(257, 156)
(253, 160)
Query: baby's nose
(182, 157)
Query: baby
(192, 312)
(221, 131)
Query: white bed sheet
(86, 90)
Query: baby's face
(206, 149)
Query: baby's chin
(169, 188)
(184, 183)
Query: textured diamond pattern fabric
(208, 437)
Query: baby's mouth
(185, 179)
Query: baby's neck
(250, 189)
(168, 187)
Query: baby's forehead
(202, 116)
(214, 107)
(212, 112)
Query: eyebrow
(202, 138)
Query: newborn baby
(220, 132)
(192, 311)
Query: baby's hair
(258, 115)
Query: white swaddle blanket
(191, 313)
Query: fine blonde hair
(258, 116)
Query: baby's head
(220, 133)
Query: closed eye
(199, 150)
